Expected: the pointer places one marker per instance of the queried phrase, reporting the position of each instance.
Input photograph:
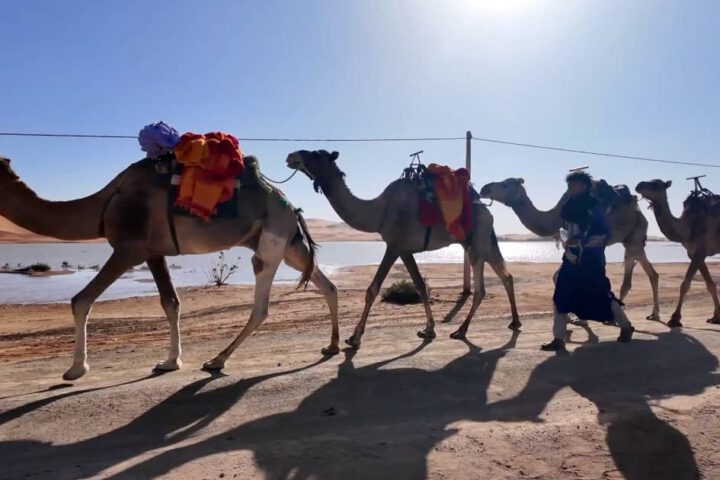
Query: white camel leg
(422, 289)
(712, 289)
(654, 284)
(478, 269)
(628, 266)
(118, 263)
(171, 305)
(370, 295)
(266, 260)
(297, 256)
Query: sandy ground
(492, 407)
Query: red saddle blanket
(453, 203)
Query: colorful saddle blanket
(446, 198)
(210, 165)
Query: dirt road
(492, 407)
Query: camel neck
(72, 220)
(671, 226)
(542, 223)
(363, 215)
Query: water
(191, 270)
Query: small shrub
(401, 293)
(40, 267)
(221, 271)
(65, 264)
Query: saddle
(168, 173)
(702, 202)
(444, 197)
(610, 196)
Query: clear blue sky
(640, 78)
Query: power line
(600, 154)
(247, 139)
(388, 139)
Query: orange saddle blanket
(454, 202)
(211, 164)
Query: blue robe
(582, 285)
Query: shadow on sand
(373, 422)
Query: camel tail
(312, 247)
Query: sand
(492, 407)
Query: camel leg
(684, 287)
(370, 295)
(712, 288)
(171, 305)
(654, 283)
(421, 287)
(629, 264)
(297, 256)
(498, 266)
(265, 261)
(118, 263)
(478, 269)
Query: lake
(192, 270)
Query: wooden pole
(468, 162)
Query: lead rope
(265, 177)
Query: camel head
(508, 192)
(7, 174)
(653, 190)
(318, 165)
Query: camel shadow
(459, 304)
(340, 430)
(383, 420)
(176, 418)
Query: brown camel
(629, 227)
(698, 232)
(395, 216)
(131, 212)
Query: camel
(628, 224)
(132, 213)
(395, 216)
(698, 232)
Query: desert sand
(492, 407)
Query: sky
(631, 77)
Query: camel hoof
(168, 366)
(331, 350)
(654, 317)
(76, 372)
(515, 326)
(675, 321)
(458, 335)
(214, 365)
(714, 320)
(426, 334)
(353, 342)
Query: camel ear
(334, 156)
(668, 184)
(521, 180)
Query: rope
(588, 152)
(278, 182)
(388, 139)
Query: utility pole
(468, 162)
